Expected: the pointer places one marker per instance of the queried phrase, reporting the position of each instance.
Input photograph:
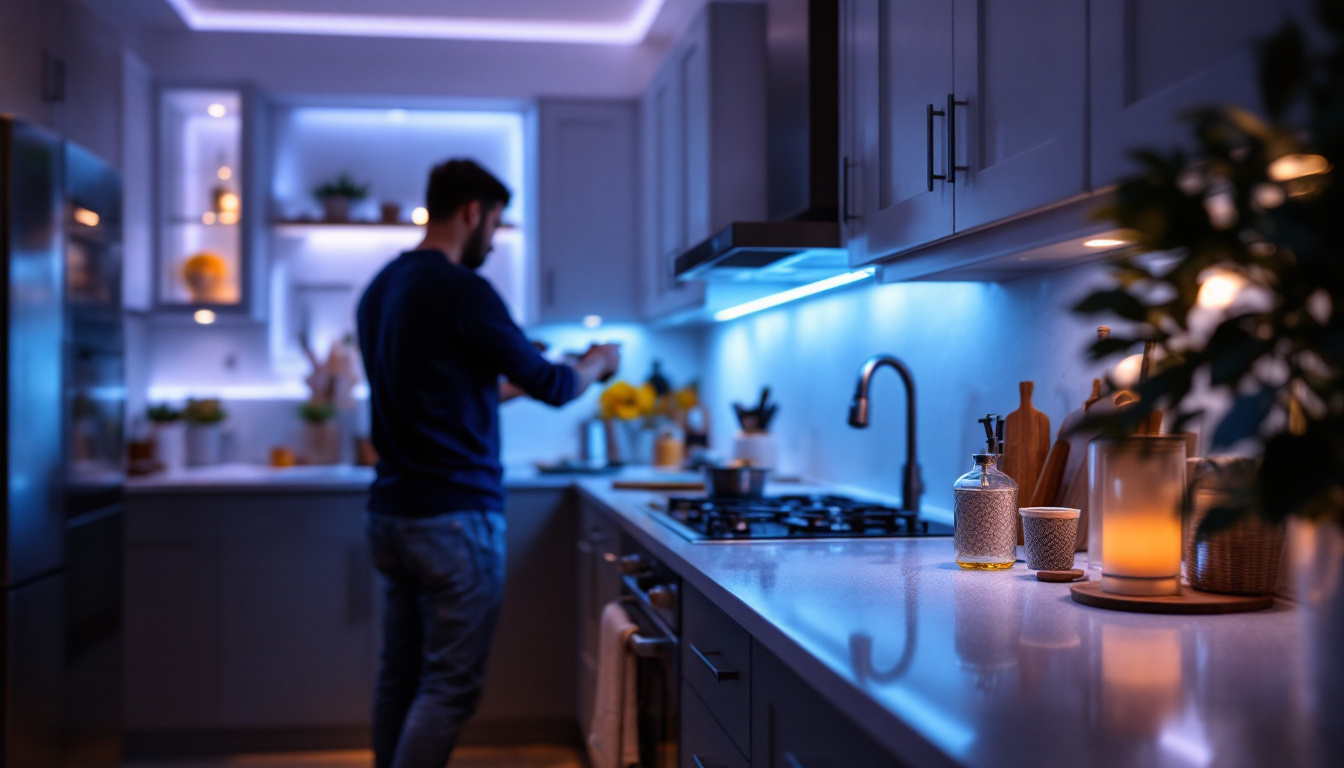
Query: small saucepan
(735, 481)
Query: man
(441, 353)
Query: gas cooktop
(709, 519)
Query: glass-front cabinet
(201, 251)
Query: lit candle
(1136, 491)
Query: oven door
(656, 657)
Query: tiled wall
(968, 345)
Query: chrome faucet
(912, 487)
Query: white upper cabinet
(1020, 68)
(1153, 59)
(588, 238)
(896, 61)
(702, 146)
(975, 130)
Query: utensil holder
(755, 449)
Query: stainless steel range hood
(801, 241)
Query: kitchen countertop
(995, 669)
(251, 478)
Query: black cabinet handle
(952, 167)
(928, 126)
(719, 674)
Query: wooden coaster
(1073, 574)
(1189, 601)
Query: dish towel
(613, 735)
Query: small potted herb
(321, 432)
(167, 435)
(204, 418)
(337, 195)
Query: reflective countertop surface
(993, 668)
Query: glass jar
(1136, 487)
(985, 517)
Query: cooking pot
(735, 481)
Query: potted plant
(337, 195)
(1250, 308)
(167, 435)
(321, 433)
(204, 433)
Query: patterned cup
(1051, 534)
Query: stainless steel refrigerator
(63, 409)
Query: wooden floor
(463, 757)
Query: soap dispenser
(985, 508)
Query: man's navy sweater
(436, 339)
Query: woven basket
(1242, 559)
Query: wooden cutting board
(1026, 442)
(1073, 482)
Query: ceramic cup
(1050, 534)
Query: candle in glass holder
(1136, 486)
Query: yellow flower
(623, 401)
(687, 398)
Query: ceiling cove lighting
(629, 32)
(793, 294)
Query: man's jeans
(443, 580)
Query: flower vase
(204, 444)
(170, 450)
(322, 442)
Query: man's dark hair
(456, 182)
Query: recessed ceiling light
(420, 217)
(632, 31)
(217, 110)
(225, 173)
(204, 316)
(1104, 242)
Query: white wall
(967, 344)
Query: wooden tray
(1189, 601)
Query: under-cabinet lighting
(217, 110)
(592, 321)
(420, 217)
(225, 173)
(204, 316)
(793, 294)
(86, 217)
(632, 31)
(294, 390)
(1104, 242)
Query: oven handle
(647, 647)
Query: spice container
(985, 509)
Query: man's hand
(599, 363)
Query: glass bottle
(985, 516)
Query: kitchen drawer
(716, 663)
(704, 744)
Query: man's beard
(475, 249)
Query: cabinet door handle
(719, 674)
(844, 191)
(928, 126)
(952, 167)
